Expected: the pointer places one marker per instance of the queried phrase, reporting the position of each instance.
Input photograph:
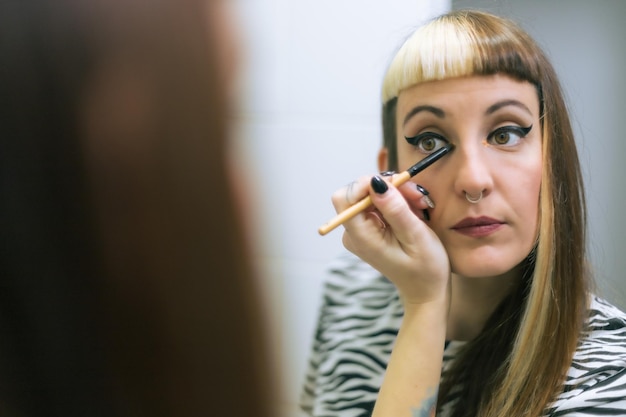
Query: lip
(477, 226)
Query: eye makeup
(398, 180)
(507, 136)
(503, 137)
(426, 142)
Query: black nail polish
(379, 185)
(426, 215)
(387, 173)
(421, 189)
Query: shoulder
(350, 271)
(357, 325)
(596, 381)
(604, 341)
(604, 316)
(352, 287)
(358, 304)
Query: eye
(427, 142)
(508, 135)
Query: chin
(486, 261)
(478, 273)
(482, 267)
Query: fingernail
(421, 189)
(387, 173)
(429, 202)
(379, 185)
(426, 214)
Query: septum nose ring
(472, 199)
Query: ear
(383, 159)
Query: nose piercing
(472, 199)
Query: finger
(378, 219)
(354, 199)
(418, 199)
(426, 196)
(417, 196)
(397, 212)
(350, 194)
(368, 230)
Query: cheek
(524, 192)
(407, 156)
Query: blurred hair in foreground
(126, 285)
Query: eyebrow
(432, 109)
(504, 103)
(442, 114)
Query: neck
(473, 300)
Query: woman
(126, 289)
(487, 254)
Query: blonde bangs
(434, 52)
(458, 45)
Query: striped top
(358, 323)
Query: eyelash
(418, 140)
(519, 131)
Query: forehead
(467, 95)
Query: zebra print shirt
(358, 323)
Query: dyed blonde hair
(548, 307)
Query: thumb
(395, 210)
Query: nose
(473, 178)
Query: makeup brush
(398, 180)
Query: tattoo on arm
(428, 408)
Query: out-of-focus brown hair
(126, 283)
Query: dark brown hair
(127, 287)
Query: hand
(393, 238)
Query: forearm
(411, 381)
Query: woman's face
(493, 121)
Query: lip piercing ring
(472, 199)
